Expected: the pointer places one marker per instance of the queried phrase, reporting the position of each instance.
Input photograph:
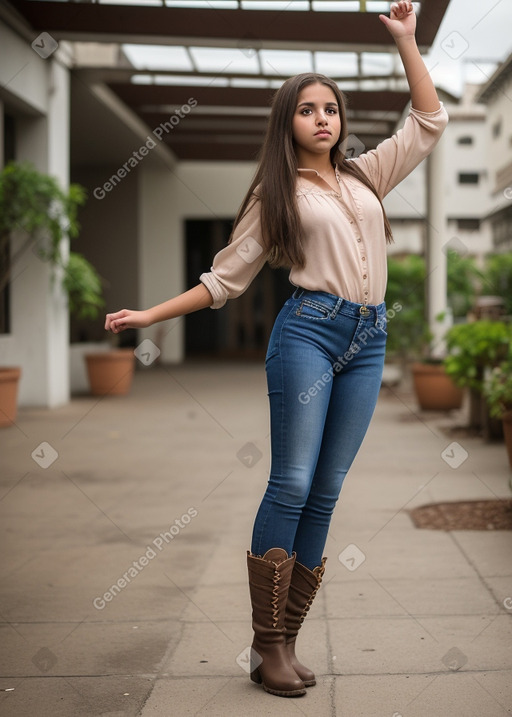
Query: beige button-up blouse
(345, 243)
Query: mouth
(322, 133)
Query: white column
(57, 321)
(40, 322)
(436, 290)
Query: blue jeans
(324, 369)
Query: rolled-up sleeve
(235, 266)
(397, 156)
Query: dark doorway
(241, 328)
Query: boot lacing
(319, 575)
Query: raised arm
(402, 26)
(192, 300)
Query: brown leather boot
(304, 586)
(269, 580)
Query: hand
(126, 319)
(402, 19)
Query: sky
(470, 35)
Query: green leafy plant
(408, 332)
(463, 278)
(33, 204)
(409, 335)
(497, 278)
(497, 388)
(474, 346)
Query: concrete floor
(161, 487)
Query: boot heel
(256, 677)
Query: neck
(321, 163)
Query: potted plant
(435, 390)
(33, 205)
(497, 390)
(435, 387)
(473, 347)
(110, 372)
(409, 336)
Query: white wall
(499, 147)
(37, 91)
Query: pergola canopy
(229, 57)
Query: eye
(333, 110)
(306, 109)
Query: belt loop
(337, 307)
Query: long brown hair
(276, 174)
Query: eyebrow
(312, 104)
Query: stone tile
(391, 553)
(471, 695)
(489, 551)
(408, 645)
(392, 597)
(108, 696)
(211, 649)
(501, 588)
(67, 649)
(221, 696)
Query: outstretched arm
(192, 300)
(402, 25)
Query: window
(468, 177)
(465, 139)
(468, 224)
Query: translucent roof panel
(212, 4)
(379, 6)
(275, 5)
(145, 3)
(285, 62)
(219, 59)
(187, 80)
(377, 63)
(248, 82)
(158, 57)
(343, 6)
(336, 64)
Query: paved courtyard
(125, 523)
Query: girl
(321, 214)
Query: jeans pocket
(310, 309)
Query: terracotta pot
(435, 390)
(507, 432)
(110, 372)
(9, 379)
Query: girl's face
(316, 124)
